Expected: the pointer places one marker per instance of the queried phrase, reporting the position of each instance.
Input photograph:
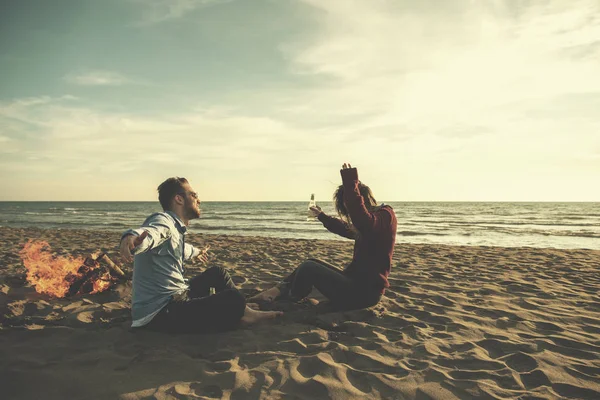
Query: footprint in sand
(520, 362)
(238, 279)
(575, 392)
(534, 379)
(211, 391)
(547, 326)
(412, 364)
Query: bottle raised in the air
(311, 203)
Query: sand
(457, 323)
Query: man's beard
(191, 211)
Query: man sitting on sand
(162, 300)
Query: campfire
(59, 276)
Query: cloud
(97, 78)
(467, 88)
(427, 95)
(155, 11)
(58, 134)
(19, 110)
(449, 68)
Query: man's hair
(338, 199)
(168, 189)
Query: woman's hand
(346, 166)
(315, 211)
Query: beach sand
(457, 323)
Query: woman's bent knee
(307, 265)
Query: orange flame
(102, 283)
(53, 275)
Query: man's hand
(203, 256)
(315, 211)
(129, 243)
(346, 166)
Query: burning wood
(67, 276)
(114, 268)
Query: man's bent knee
(217, 270)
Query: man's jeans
(197, 311)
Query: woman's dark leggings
(197, 311)
(342, 291)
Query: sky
(432, 100)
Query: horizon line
(304, 201)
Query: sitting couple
(164, 301)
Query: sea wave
(543, 232)
(414, 233)
(236, 212)
(248, 228)
(491, 223)
(561, 225)
(247, 217)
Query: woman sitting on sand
(373, 228)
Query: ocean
(557, 225)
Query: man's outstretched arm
(155, 230)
